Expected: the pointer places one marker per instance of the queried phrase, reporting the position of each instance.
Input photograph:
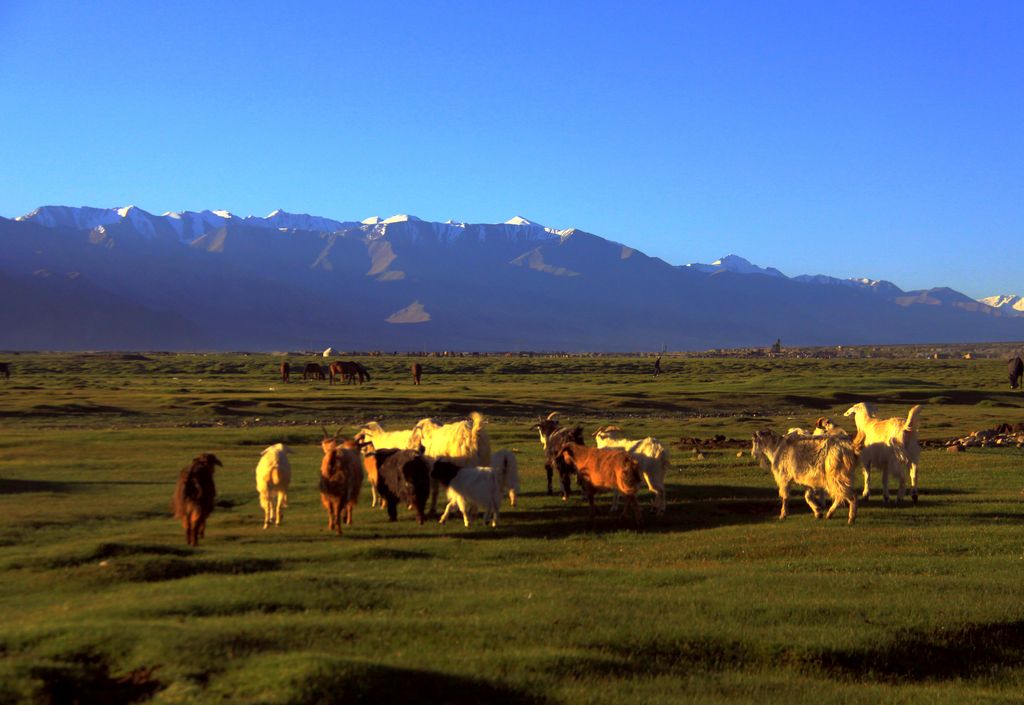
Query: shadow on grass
(969, 651)
(88, 679)
(365, 684)
(10, 486)
(29, 486)
(157, 562)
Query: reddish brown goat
(604, 470)
(194, 496)
(341, 477)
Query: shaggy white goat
(900, 434)
(652, 456)
(463, 443)
(273, 475)
(817, 462)
(469, 489)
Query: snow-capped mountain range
(1011, 302)
(123, 277)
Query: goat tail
(478, 421)
(481, 440)
(899, 450)
(839, 468)
(911, 423)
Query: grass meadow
(101, 601)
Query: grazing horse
(349, 370)
(1016, 372)
(5, 370)
(286, 371)
(417, 372)
(312, 371)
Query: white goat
(373, 432)
(900, 434)
(273, 475)
(652, 456)
(817, 462)
(469, 489)
(463, 443)
(884, 456)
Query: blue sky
(853, 139)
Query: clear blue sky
(882, 139)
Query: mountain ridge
(295, 280)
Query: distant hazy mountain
(124, 278)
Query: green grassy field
(102, 601)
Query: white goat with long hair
(478, 488)
(463, 443)
(649, 452)
(817, 462)
(273, 475)
(373, 433)
(897, 433)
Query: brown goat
(604, 470)
(194, 496)
(341, 477)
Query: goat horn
(326, 435)
(552, 415)
(338, 432)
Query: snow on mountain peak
(735, 264)
(372, 220)
(1004, 300)
(519, 220)
(400, 218)
(223, 214)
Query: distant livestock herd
(407, 468)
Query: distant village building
(328, 352)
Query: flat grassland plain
(718, 601)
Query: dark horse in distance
(312, 371)
(417, 372)
(1016, 372)
(349, 371)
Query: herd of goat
(408, 467)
